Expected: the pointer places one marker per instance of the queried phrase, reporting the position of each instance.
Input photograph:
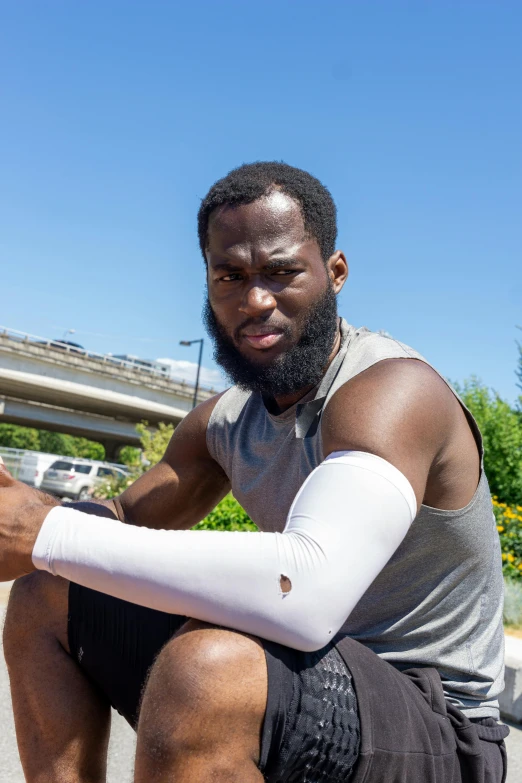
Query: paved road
(121, 751)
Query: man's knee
(38, 603)
(207, 688)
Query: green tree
(518, 371)
(130, 456)
(14, 437)
(154, 442)
(70, 446)
(89, 449)
(501, 430)
(57, 443)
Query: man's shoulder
(229, 405)
(394, 398)
(229, 409)
(221, 430)
(366, 347)
(397, 379)
(372, 353)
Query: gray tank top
(439, 600)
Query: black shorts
(339, 714)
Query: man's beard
(301, 366)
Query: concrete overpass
(66, 389)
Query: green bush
(509, 526)
(501, 429)
(112, 487)
(228, 515)
(130, 456)
(154, 441)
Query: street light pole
(191, 342)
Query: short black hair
(251, 181)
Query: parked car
(77, 478)
(33, 466)
(26, 465)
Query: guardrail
(106, 359)
(12, 459)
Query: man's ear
(337, 267)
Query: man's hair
(254, 180)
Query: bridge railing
(107, 359)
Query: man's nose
(257, 301)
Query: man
(359, 636)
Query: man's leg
(203, 709)
(62, 721)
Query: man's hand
(22, 512)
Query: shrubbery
(228, 515)
(501, 429)
(509, 526)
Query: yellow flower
(500, 528)
(511, 558)
(520, 566)
(504, 556)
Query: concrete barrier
(511, 697)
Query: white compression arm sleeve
(296, 587)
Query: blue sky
(116, 117)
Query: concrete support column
(112, 449)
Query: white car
(33, 466)
(76, 479)
(26, 465)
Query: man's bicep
(184, 486)
(398, 410)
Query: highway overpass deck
(97, 396)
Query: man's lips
(261, 339)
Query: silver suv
(77, 478)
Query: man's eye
(285, 272)
(230, 278)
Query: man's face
(271, 299)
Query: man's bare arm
(183, 487)
(402, 410)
